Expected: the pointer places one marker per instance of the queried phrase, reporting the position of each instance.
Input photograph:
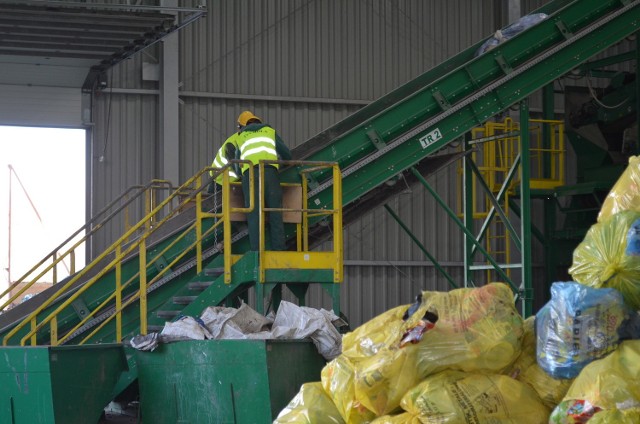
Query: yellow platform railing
(303, 257)
(498, 149)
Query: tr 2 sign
(430, 138)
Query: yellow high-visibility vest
(221, 159)
(257, 145)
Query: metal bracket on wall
(564, 30)
(160, 263)
(504, 65)
(442, 101)
(375, 139)
(80, 307)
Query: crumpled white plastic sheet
(184, 329)
(300, 322)
(218, 322)
(148, 342)
(232, 323)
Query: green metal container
(58, 385)
(224, 381)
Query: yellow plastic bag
(607, 258)
(610, 383)
(616, 416)
(476, 330)
(375, 334)
(337, 381)
(310, 406)
(404, 418)
(625, 194)
(526, 370)
(458, 397)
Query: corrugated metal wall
(302, 66)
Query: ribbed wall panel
(303, 66)
(123, 153)
(324, 48)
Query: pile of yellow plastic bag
(310, 406)
(606, 391)
(405, 418)
(625, 194)
(526, 369)
(453, 396)
(609, 256)
(474, 330)
(338, 382)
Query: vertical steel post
(143, 286)
(548, 106)
(199, 219)
(467, 208)
(550, 251)
(525, 217)
(226, 225)
(261, 224)
(118, 294)
(338, 247)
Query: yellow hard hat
(246, 116)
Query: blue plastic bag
(511, 31)
(578, 325)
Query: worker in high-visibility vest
(257, 141)
(228, 151)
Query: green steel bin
(58, 384)
(223, 381)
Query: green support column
(548, 106)
(525, 218)
(550, 251)
(467, 190)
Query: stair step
(199, 285)
(214, 272)
(167, 314)
(183, 300)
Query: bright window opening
(42, 193)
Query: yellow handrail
(302, 240)
(120, 254)
(94, 226)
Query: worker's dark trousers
(272, 199)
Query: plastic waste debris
(511, 31)
(578, 325)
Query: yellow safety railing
(303, 258)
(119, 207)
(499, 147)
(120, 250)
